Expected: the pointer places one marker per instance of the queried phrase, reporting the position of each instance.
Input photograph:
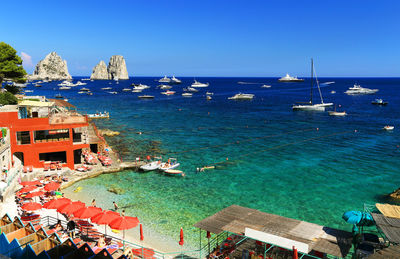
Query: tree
(10, 64)
(11, 88)
(8, 98)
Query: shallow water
(304, 165)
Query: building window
(54, 157)
(23, 138)
(51, 135)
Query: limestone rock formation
(109, 133)
(100, 71)
(117, 68)
(51, 67)
(395, 194)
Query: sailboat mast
(312, 73)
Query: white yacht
(241, 96)
(357, 89)
(168, 92)
(190, 89)
(64, 87)
(175, 80)
(106, 88)
(265, 86)
(140, 87)
(151, 166)
(165, 79)
(198, 84)
(126, 90)
(289, 78)
(80, 83)
(310, 106)
(66, 83)
(164, 87)
(187, 94)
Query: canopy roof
(62, 103)
(35, 103)
(236, 219)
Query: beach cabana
(252, 227)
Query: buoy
(317, 129)
(355, 130)
(227, 159)
(148, 157)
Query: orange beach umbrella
(34, 194)
(26, 189)
(31, 206)
(52, 186)
(70, 208)
(123, 223)
(55, 203)
(104, 218)
(30, 183)
(87, 212)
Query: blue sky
(210, 37)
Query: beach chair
(30, 168)
(53, 166)
(25, 170)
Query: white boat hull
(164, 166)
(151, 166)
(312, 107)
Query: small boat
(336, 113)
(141, 87)
(198, 84)
(241, 96)
(64, 88)
(171, 164)
(59, 96)
(165, 79)
(174, 172)
(137, 90)
(208, 97)
(289, 79)
(168, 92)
(388, 127)
(333, 92)
(126, 90)
(85, 89)
(175, 80)
(164, 87)
(209, 93)
(357, 89)
(99, 115)
(28, 91)
(80, 83)
(151, 166)
(328, 83)
(265, 86)
(113, 92)
(37, 85)
(187, 94)
(146, 96)
(190, 89)
(88, 93)
(106, 88)
(81, 92)
(379, 102)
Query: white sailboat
(310, 106)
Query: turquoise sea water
(304, 165)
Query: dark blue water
(304, 165)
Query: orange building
(45, 131)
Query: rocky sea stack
(51, 67)
(116, 69)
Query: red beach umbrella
(30, 183)
(34, 194)
(295, 255)
(31, 206)
(55, 203)
(123, 223)
(141, 233)
(104, 218)
(87, 212)
(70, 208)
(52, 186)
(181, 240)
(26, 189)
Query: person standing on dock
(115, 206)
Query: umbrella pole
(124, 238)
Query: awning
(279, 230)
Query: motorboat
(79, 83)
(174, 172)
(88, 93)
(141, 87)
(170, 164)
(66, 83)
(81, 92)
(59, 96)
(28, 91)
(190, 89)
(289, 78)
(187, 94)
(209, 93)
(99, 115)
(164, 87)
(165, 79)
(85, 89)
(154, 165)
(37, 85)
(168, 92)
(336, 113)
(357, 89)
(265, 86)
(311, 106)
(137, 90)
(146, 96)
(379, 102)
(241, 96)
(328, 83)
(126, 89)
(333, 92)
(175, 80)
(198, 84)
(208, 98)
(106, 88)
(388, 127)
(64, 87)
(113, 92)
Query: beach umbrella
(34, 194)
(86, 212)
(52, 186)
(30, 183)
(70, 208)
(104, 218)
(295, 254)
(26, 189)
(31, 206)
(181, 240)
(141, 233)
(122, 223)
(55, 203)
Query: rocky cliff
(51, 67)
(100, 72)
(117, 68)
